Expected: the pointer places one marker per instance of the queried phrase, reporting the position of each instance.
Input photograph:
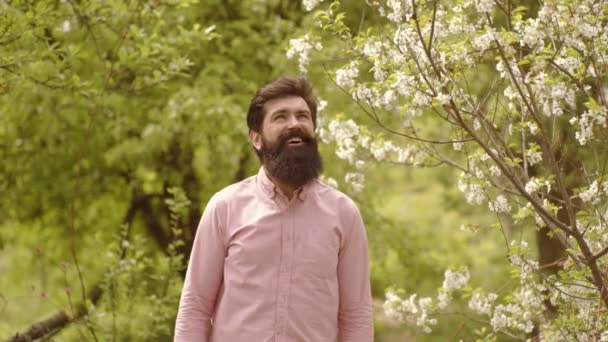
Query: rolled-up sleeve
(355, 322)
(203, 278)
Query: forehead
(286, 104)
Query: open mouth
(295, 141)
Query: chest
(300, 237)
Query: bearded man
(279, 256)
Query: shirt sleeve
(355, 323)
(203, 279)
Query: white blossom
(66, 26)
(484, 6)
(309, 5)
(363, 93)
(457, 145)
(532, 35)
(372, 49)
(586, 123)
(484, 41)
(534, 157)
(404, 83)
(421, 99)
(454, 280)
(380, 75)
(378, 151)
(322, 105)
(346, 135)
(476, 124)
(398, 10)
(495, 171)
(474, 193)
(444, 99)
(570, 64)
(482, 304)
(500, 205)
(592, 195)
(587, 30)
(345, 77)
(533, 185)
(363, 140)
(443, 299)
(506, 316)
(478, 172)
(356, 180)
(301, 47)
(330, 181)
(393, 306)
(416, 311)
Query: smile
(295, 141)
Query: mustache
(295, 133)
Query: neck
(286, 189)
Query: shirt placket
(285, 270)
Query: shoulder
(342, 207)
(234, 192)
(343, 203)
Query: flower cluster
(355, 145)
(345, 77)
(481, 303)
(537, 184)
(309, 5)
(594, 192)
(356, 180)
(301, 48)
(453, 280)
(412, 309)
(587, 122)
(474, 191)
(500, 205)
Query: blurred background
(120, 119)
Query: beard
(292, 165)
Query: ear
(256, 139)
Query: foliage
(108, 109)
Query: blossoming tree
(514, 96)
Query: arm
(355, 315)
(203, 279)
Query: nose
(293, 122)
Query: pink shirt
(267, 269)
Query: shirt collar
(271, 189)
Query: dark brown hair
(283, 86)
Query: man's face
(287, 141)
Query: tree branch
(600, 254)
(62, 318)
(57, 321)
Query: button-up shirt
(265, 268)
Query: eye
(303, 116)
(280, 116)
